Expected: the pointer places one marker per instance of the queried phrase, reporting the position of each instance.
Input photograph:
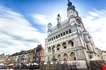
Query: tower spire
(69, 3)
(70, 6)
(71, 11)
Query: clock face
(72, 13)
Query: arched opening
(49, 49)
(54, 58)
(71, 43)
(69, 30)
(72, 55)
(64, 45)
(58, 47)
(65, 57)
(53, 48)
(59, 56)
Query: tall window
(58, 35)
(58, 47)
(54, 37)
(64, 45)
(71, 43)
(53, 48)
(69, 30)
(49, 49)
(65, 56)
(72, 55)
(66, 32)
(63, 33)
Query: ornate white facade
(69, 40)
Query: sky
(23, 23)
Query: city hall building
(69, 40)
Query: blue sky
(26, 21)
(48, 7)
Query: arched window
(59, 56)
(64, 45)
(53, 48)
(72, 55)
(63, 33)
(69, 30)
(71, 43)
(65, 56)
(66, 32)
(49, 49)
(58, 47)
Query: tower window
(63, 33)
(66, 32)
(52, 38)
(56, 37)
(59, 35)
(69, 30)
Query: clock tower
(71, 11)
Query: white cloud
(16, 32)
(42, 19)
(95, 23)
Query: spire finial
(58, 18)
(69, 3)
(68, 0)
